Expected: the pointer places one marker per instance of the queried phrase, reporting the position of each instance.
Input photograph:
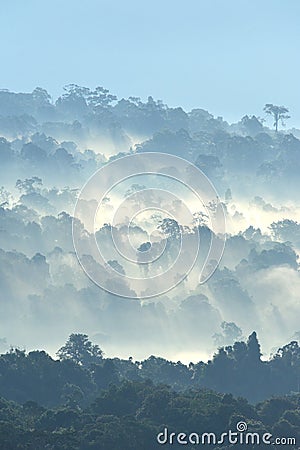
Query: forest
(49, 149)
(199, 357)
(83, 400)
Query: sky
(229, 57)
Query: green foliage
(82, 373)
(129, 418)
(84, 401)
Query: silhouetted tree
(79, 349)
(279, 113)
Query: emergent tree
(279, 113)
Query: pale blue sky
(230, 57)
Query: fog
(48, 151)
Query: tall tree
(78, 348)
(253, 348)
(279, 113)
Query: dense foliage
(81, 372)
(130, 416)
(83, 400)
(49, 149)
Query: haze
(229, 57)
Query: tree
(170, 227)
(253, 346)
(41, 96)
(75, 91)
(230, 333)
(100, 98)
(72, 395)
(286, 230)
(79, 349)
(279, 113)
(29, 185)
(252, 125)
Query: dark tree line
(82, 372)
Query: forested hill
(84, 401)
(132, 415)
(50, 148)
(98, 121)
(84, 127)
(81, 372)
